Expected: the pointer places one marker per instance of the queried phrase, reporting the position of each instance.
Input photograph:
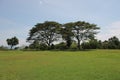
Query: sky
(17, 17)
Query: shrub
(61, 46)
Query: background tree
(105, 44)
(83, 31)
(45, 33)
(60, 46)
(3, 48)
(12, 41)
(91, 44)
(50, 31)
(67, 35)
(35, 45)
(113, 43)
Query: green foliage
(114, 43)
(50, 31)
(3, 48)
(111, 43)
(61, 46)
(105, 44)
(67, 34)
(74, 46)
(46, 32)
(38, 46)
(34, 45)
(92, 44)
(12, 42)
(83, 31)
(44, 47)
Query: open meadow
(60, 65)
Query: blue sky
(17, 17)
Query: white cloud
(40, 2)
(43, 1)
(111, 30)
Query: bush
(43, 46)
(92, 44)
(74, 46)
(61, 46)
(3, 48)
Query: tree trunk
(78, 44)
(68, 42)
(49, 45)
(11, 47)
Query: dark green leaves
(12, 42)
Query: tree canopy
(51, 31)
(12, 41)
(83, 31)
(67, 34)
(46, 32)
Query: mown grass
(60, 65)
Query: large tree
(83, 31)
(12, 41)
(46, 32)
(67, 35)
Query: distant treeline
(44, 35)
(3, 48)
(111, 43)
(73, 35)
(79, 35)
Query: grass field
(60, 65)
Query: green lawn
(60, 65)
